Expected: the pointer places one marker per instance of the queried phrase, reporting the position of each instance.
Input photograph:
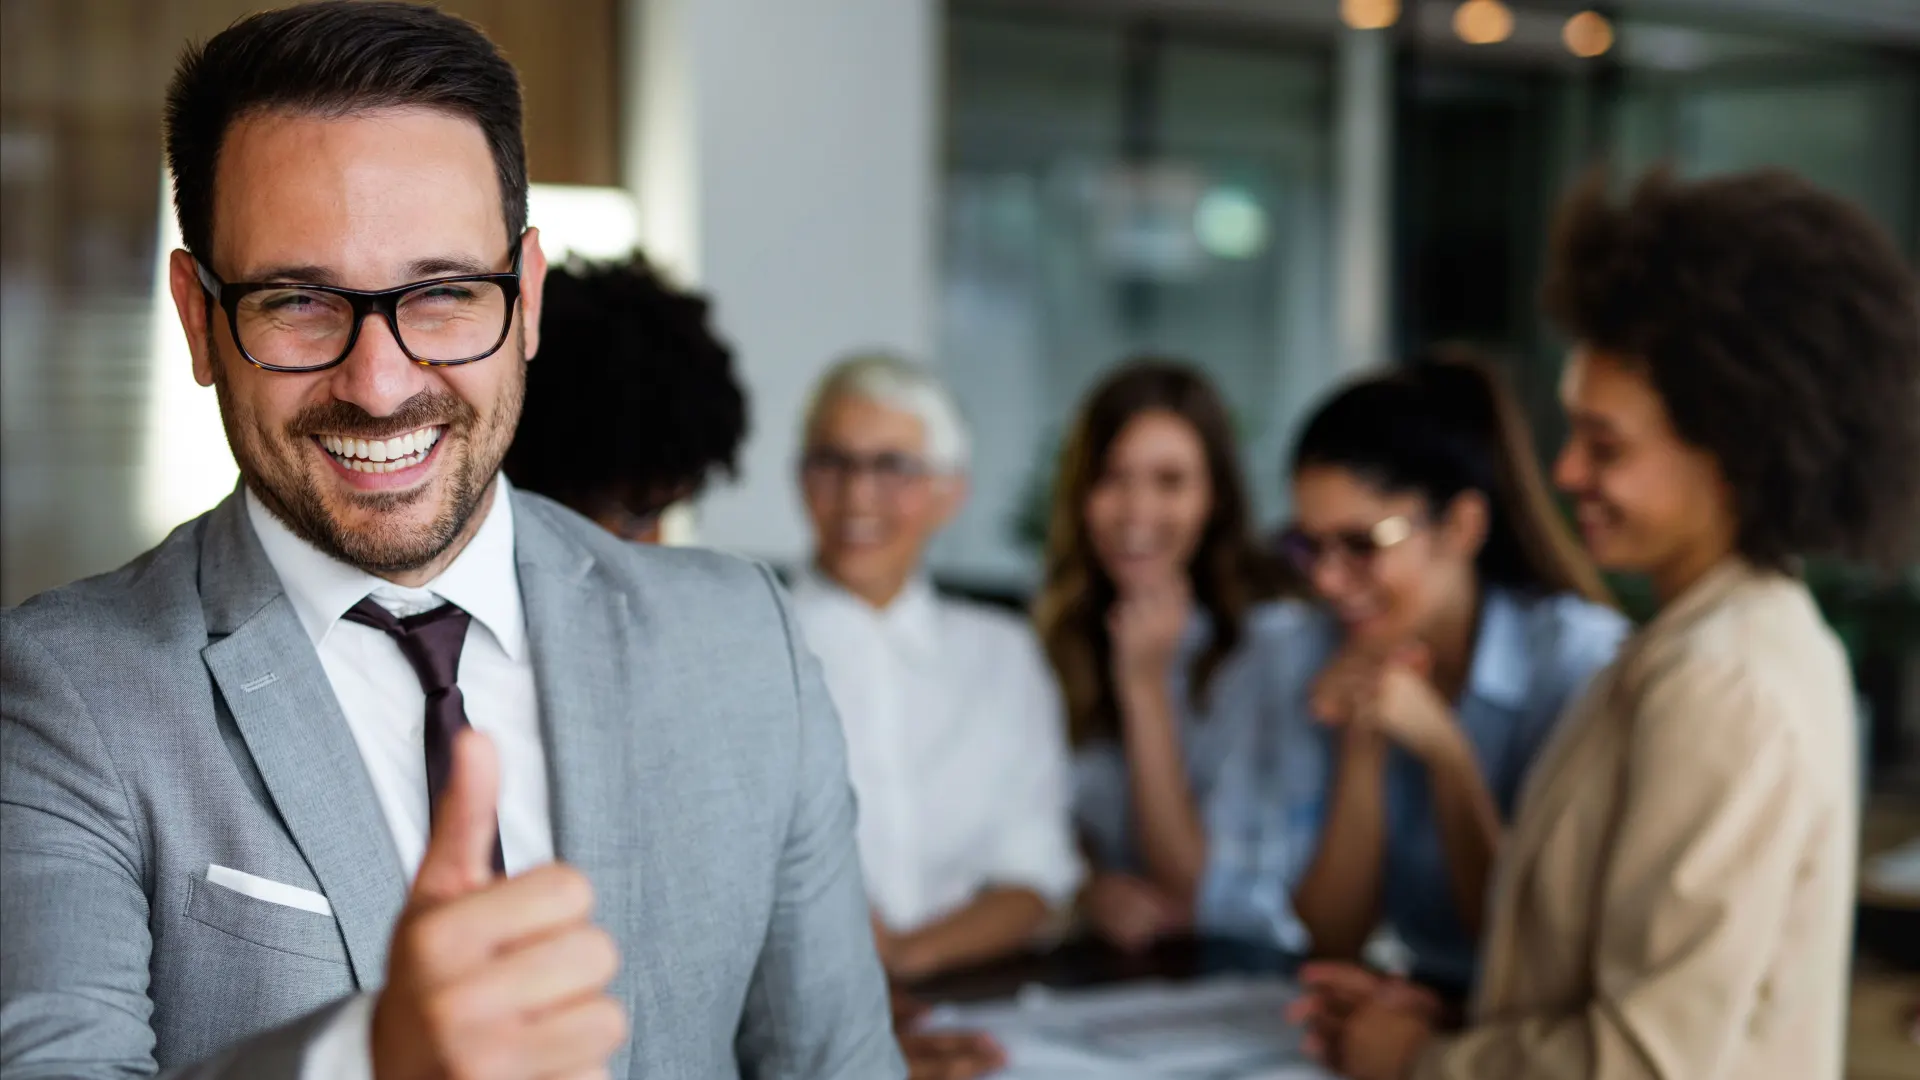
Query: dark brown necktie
(431, 642)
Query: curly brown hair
(1229, 572)
(1781, 328)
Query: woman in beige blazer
(1675, 897)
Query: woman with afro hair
(1675, 896)
(631, 402)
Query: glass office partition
(1849, 121)
(1114, 189)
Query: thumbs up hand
(501, 978)
(459, 855)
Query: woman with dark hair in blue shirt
(1455, 617)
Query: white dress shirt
(385, 708)
(955, 747)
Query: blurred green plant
(1868, 610)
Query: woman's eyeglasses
(1357, 547)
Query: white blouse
(955, 745)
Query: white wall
(783, 158)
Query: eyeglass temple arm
(208, 281)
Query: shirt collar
(913, 618)
(1703, 595)
(1501, 653)
(482, 579)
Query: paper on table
(1222, 1029)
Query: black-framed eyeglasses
(441, 322)
(1358, 547)
(891, 471)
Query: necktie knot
(431, 641)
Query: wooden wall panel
(567, 56)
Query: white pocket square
(273, 892)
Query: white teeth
(360, 465)
(382, 455)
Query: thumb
(459, 855)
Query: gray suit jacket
(173, 714)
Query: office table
(1883, 996)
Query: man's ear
(533, 289)
(193, 304)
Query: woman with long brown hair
(1151, 616)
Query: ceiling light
(1588, 34)
(1483, 22)
(1370, 14)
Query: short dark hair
(336, 58)
(1443, 425)
(631, 398)
(1781, 327)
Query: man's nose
(377, 374)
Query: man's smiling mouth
(382, 455)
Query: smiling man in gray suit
(381, 768)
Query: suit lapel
(582, 638)
(1609, 705)
(1556, 785)
(1549, 790)
(1550, 785)
(284, 706)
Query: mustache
(425, 409)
